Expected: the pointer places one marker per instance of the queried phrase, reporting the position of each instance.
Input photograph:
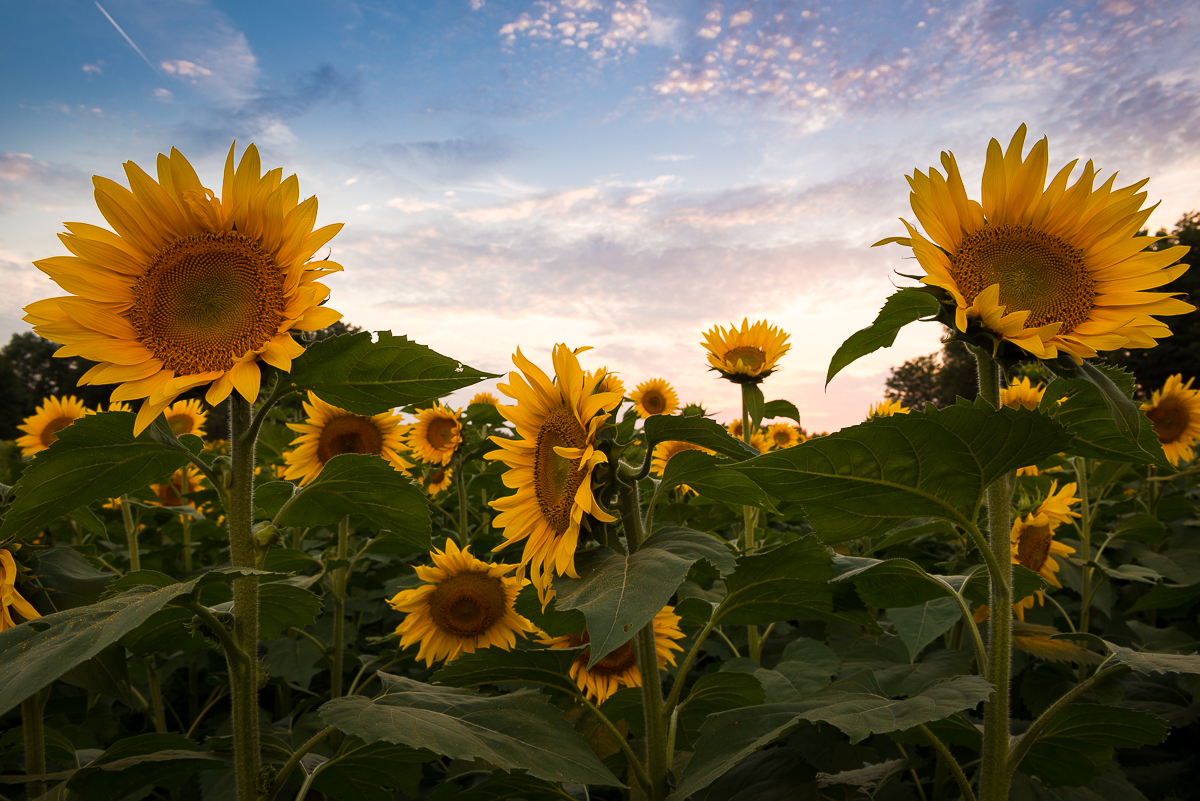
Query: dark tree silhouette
(938, 378)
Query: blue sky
(615, 174)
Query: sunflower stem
(34, 729)
(131, 535)
(1085, 540)
(750, 515)
(243, 673)
(337, 648)
(995, 774)
(464, 532)
(186, 522)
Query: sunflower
(119, 406)
(9, 597)
(610, 383)
(190, 290)
(1033, 543)
(1022, 394)
(1175, 412)
(176, 492)
(1050, 269)
(758, 439)
(439, 480)
(886, 408)
(550, 465)
(783, 435)
(663, 453)
(746, 355)
(435, 435)
(187, 417)
(330, 431)
(484, 398)
(464, 604)
(41, 428)
(654, 397)
(619, 668)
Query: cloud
(185, 69)
(35, 184)
(407, 206)
(93, 69)
(607, 31)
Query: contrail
(131, 44)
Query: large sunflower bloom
(190, 290)
(619, 668)
(330, 431)
(41, 428)
(463, 605)
(746, 355)
(1033, 543)
(436, 434)
(1175, 412)
(1022, 394)
(1049, 268)
(186, 417)
(9, 597)
(550, 465)
(655, 396)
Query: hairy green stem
(294, 760)
(686, 665)
(1084, 525)
(464, 533)
(750, 516)
(186, 522)
(337, 650)
(947, 759)
(157, 711)
(131, 534)
(34, 728)
(243, 673)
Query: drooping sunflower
(484, 397)
(1175, 412)
(886, 408)
(1033, 543)
(1022, 394)
(610, 382)
(191, 289)
(550, 465)
(9, 597)
(665, 451)
(463, 605)
(439, 480)
(186, 417)
(330, 431)
(619, 668)
(436, 434)
(183, 483)
(655, 396)
(41, 428)
(783, 435)
(1049, 268)
(746, 355)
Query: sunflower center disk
(349, 433)
(618, 661)
(746, 358)
(207, 300)
(1170, 421)
(555, 479)
(469, 604)
(441, 433)
(654, 401)
(50, 431)
(1037, 272)
(180, 424)
(1034, 547)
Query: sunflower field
(585, 589)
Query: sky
(619, 174)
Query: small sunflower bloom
(41, 428)
(1033, 543)
(183, 483)
(10, 599)
(329, 431)
(758, 439)
(886, 408)
(188, 289)
(1175, 412)
(439, 480)
(610, 382)
(186, 417)
(655, 396)
(464, 604)
(665, 451)
(484, 398)
(436, 434)
(783, 435)
(746, 355)
(1022, 394)
(619, 668)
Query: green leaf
(364, 772)
(549, 667)
(106, 673)
(1141, 527)
(36, 653)
(86, 518)
(283, 605)
(1166, 596)
(553, 621)
(270, 497)
(1180, 565)
(1117, 399)
(95, 458)
(514, 731)
(365, 377)
(710, 478)
(865, 480)
(165, 631)
(295, 661)
(781, 408)
(500, 787)
(892, 583)
(696, 430)
(1145, 662)
(354, 483)
(903, 307)
(1077, 745)
(754, 403)
(975, 589)
(788, 582)
(917, 626)
(68, 578)
(1088, 415)
(716, 692)
(288, 560)
(620, 594)
(143, 760)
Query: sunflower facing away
(550, 464)
(654, 397)
(191, 289)
(1033, 543)
(746, 355)
(484, 397)
(1022, 394)
(435, 435)
(463, 605)
(1175, 412)
(619, 668)
(41, 428)
(610, 382)
(783, 435)
(330, 431)
(9, 597)
(886, 408)
(665, 451)
(186, 417)
(1049, 268)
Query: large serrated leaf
(698, 431)
(620, 594)
(716, 692)
(140, 761)
(865, 480)
(1077, 746)
(549, 668)
(95, 458)
(1115, 387)
(788, 582)
(1088, 416)
(903, 307)
(517, 731)
(709, 477)
(370, 377)
(891, 583)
